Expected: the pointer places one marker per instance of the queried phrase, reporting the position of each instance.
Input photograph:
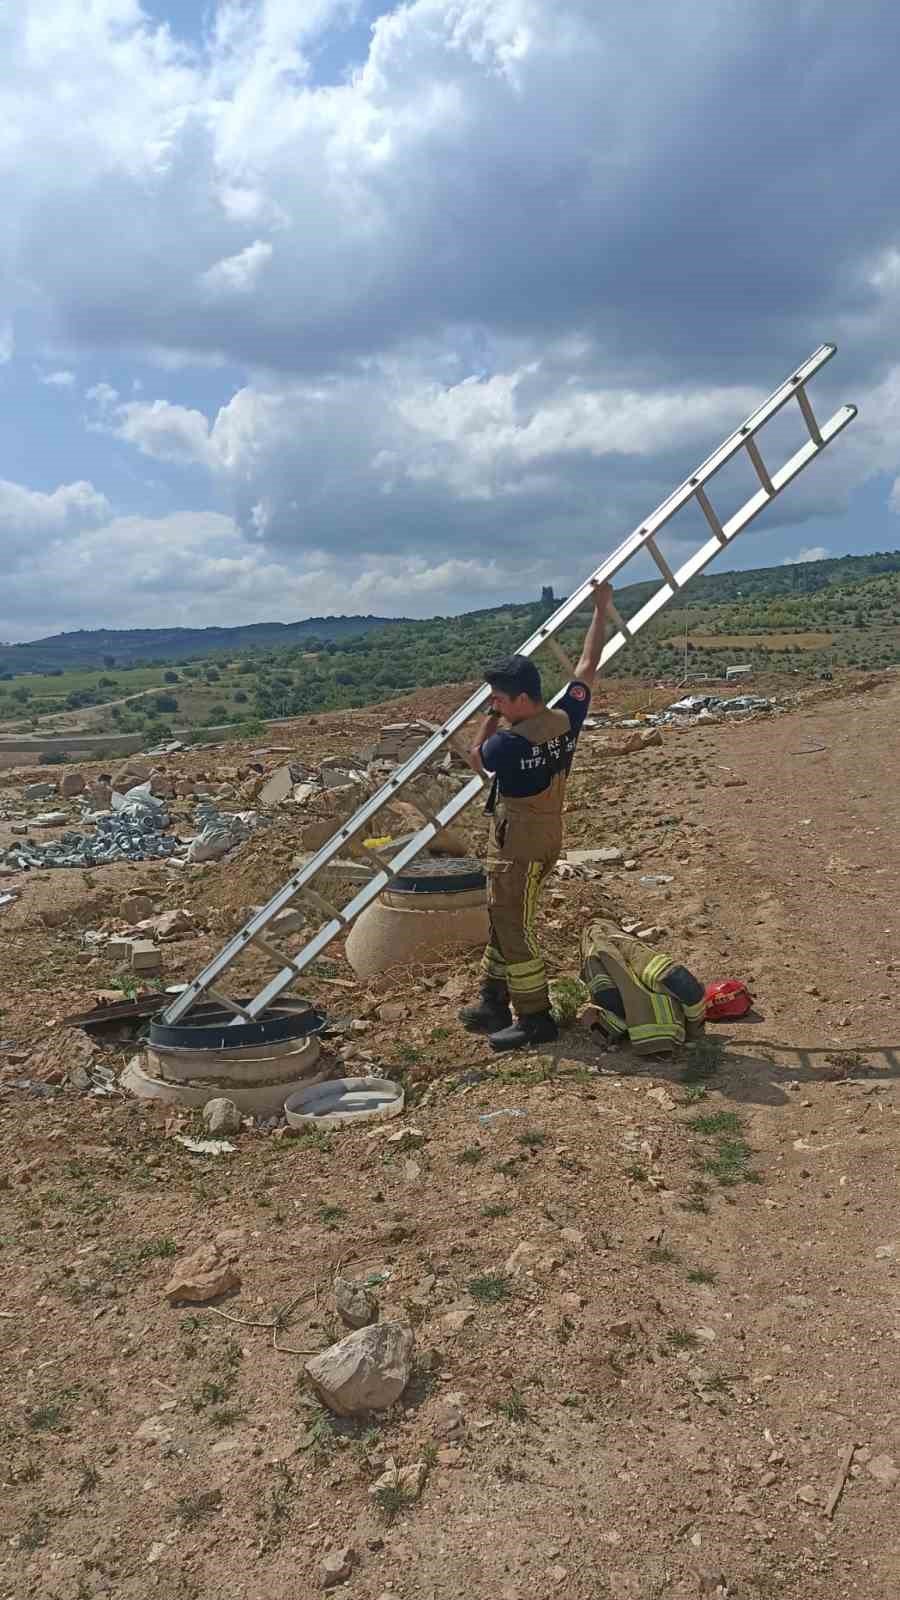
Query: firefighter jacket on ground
(642, 994)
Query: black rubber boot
(492, 1012)
(538, 1028)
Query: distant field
(43, 686)
(755, 641)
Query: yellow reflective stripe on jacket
(654, 970)
(612, 1023)
(666, 1024)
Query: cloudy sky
(314, 306)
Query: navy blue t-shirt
(522, 768)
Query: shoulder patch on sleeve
(578, 692)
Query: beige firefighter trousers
(512, 955)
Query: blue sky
(320, 306)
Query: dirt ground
(655, 1311)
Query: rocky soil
(650, 1313)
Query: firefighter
(528, 762)
(641, 995)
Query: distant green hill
(840, 612)
(116, 646)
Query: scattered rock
(137, 908)
(621, 1330)
(354, 1304)
(663, 1099)
(228, 1446)
(169, 925)
(572, 1301)
(457, 1317)
(525, 1255)
(337, 1566)
(221, 1116)
(650, 736)
(99, 796)
(406, 1139)
(808, 1494)
(599, 858)
(153, 1431)
(202, 1276)
(315, 834)
(145, 957)
(290, 921)
(366, 1371)
(40, 791)
(393, 1011)
(278, 788)
(230, 1242)
(449, 1418)
(133, 773)
(883, 1469)
(63, 1057)
(71, 783)
(573, 1236)
(450, 1456)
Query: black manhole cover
(439, 875)
(212, 1027)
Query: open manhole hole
(439, 875)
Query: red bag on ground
(728, 998)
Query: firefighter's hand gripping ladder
(287, 967)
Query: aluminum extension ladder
(288, 967)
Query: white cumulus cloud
(482, 294)
(238, 274)
(813, 552)
(168, 432)
(29, 515)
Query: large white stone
(367, 1371)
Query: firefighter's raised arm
(595, 638)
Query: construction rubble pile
(129, 818)
(712, 708)
(134, 828)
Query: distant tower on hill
(547, 598)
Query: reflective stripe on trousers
(512, 955)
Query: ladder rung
(229, 1005)
(320, 903)
(276, 956)
(762, 471)
(703, 501)
(808, 415)
(654, 550)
